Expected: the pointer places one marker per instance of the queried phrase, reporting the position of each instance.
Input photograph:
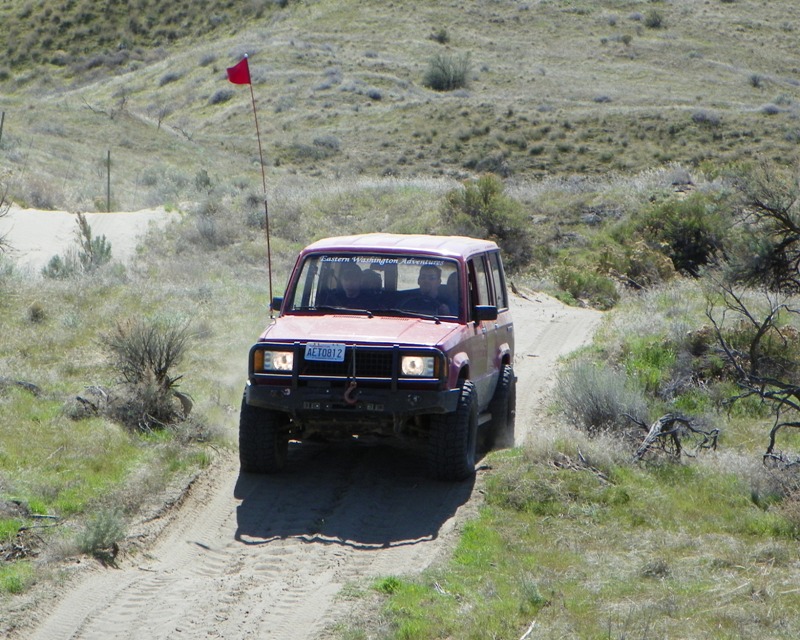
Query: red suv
(404, 336)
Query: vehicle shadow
(352, 494)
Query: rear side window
(479, 281)
(499, 281)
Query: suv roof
(452, 246)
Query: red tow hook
(348, 394)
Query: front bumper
(336, 402)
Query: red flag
(240, 72)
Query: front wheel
(263, 439)
(453, 439)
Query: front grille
(369, 363)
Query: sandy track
(267, 557)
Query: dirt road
(267, 557)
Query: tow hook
(348, 394)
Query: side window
(499, 281)
(479, 282)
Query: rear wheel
(452, 447)
(503, 408)
(263, 439)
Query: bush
(596, 397)
(708, 118)
(767, 251)
(441, 36)
(446, 73)
(654, 20)
(92, 253)
(144, 353)
(95, 251)
(583, 284)
(63, 267)
(692, 231)
(102, 533)
(482, 210)
(220, 96)
(167, 78)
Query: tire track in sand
(267, 556)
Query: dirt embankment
(35, 236)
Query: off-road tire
(503, 408)
(453, 439)
(263, 439)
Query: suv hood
(359, 329)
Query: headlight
(419, 366)
(274, 360)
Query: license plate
(325, 351)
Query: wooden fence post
(108, 182)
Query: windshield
(381, 284)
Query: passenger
(450, 292)
(371, 282)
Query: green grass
(677, 552)
(15, 577)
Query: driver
(349, 293)
(426, 299)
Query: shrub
(36, 313)
(441, 36)
(596, 397)
(94, 251)
(692, 231)
(167, 78)
(102, 533)
(446, 73)
(220, 96)
(767, 251)
(583, 284)
(708, 118)
(481, 209)
(654, 20)
(63, 267)
(144, 353)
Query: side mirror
(485, 313)
(277, 303)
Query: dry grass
(555, 90)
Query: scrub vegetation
(637, 157)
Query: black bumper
(362, 402)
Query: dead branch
(563, 461)
(670, 432)
(755, 373)
(22, 384)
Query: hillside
(615, 145)
(555, 89)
